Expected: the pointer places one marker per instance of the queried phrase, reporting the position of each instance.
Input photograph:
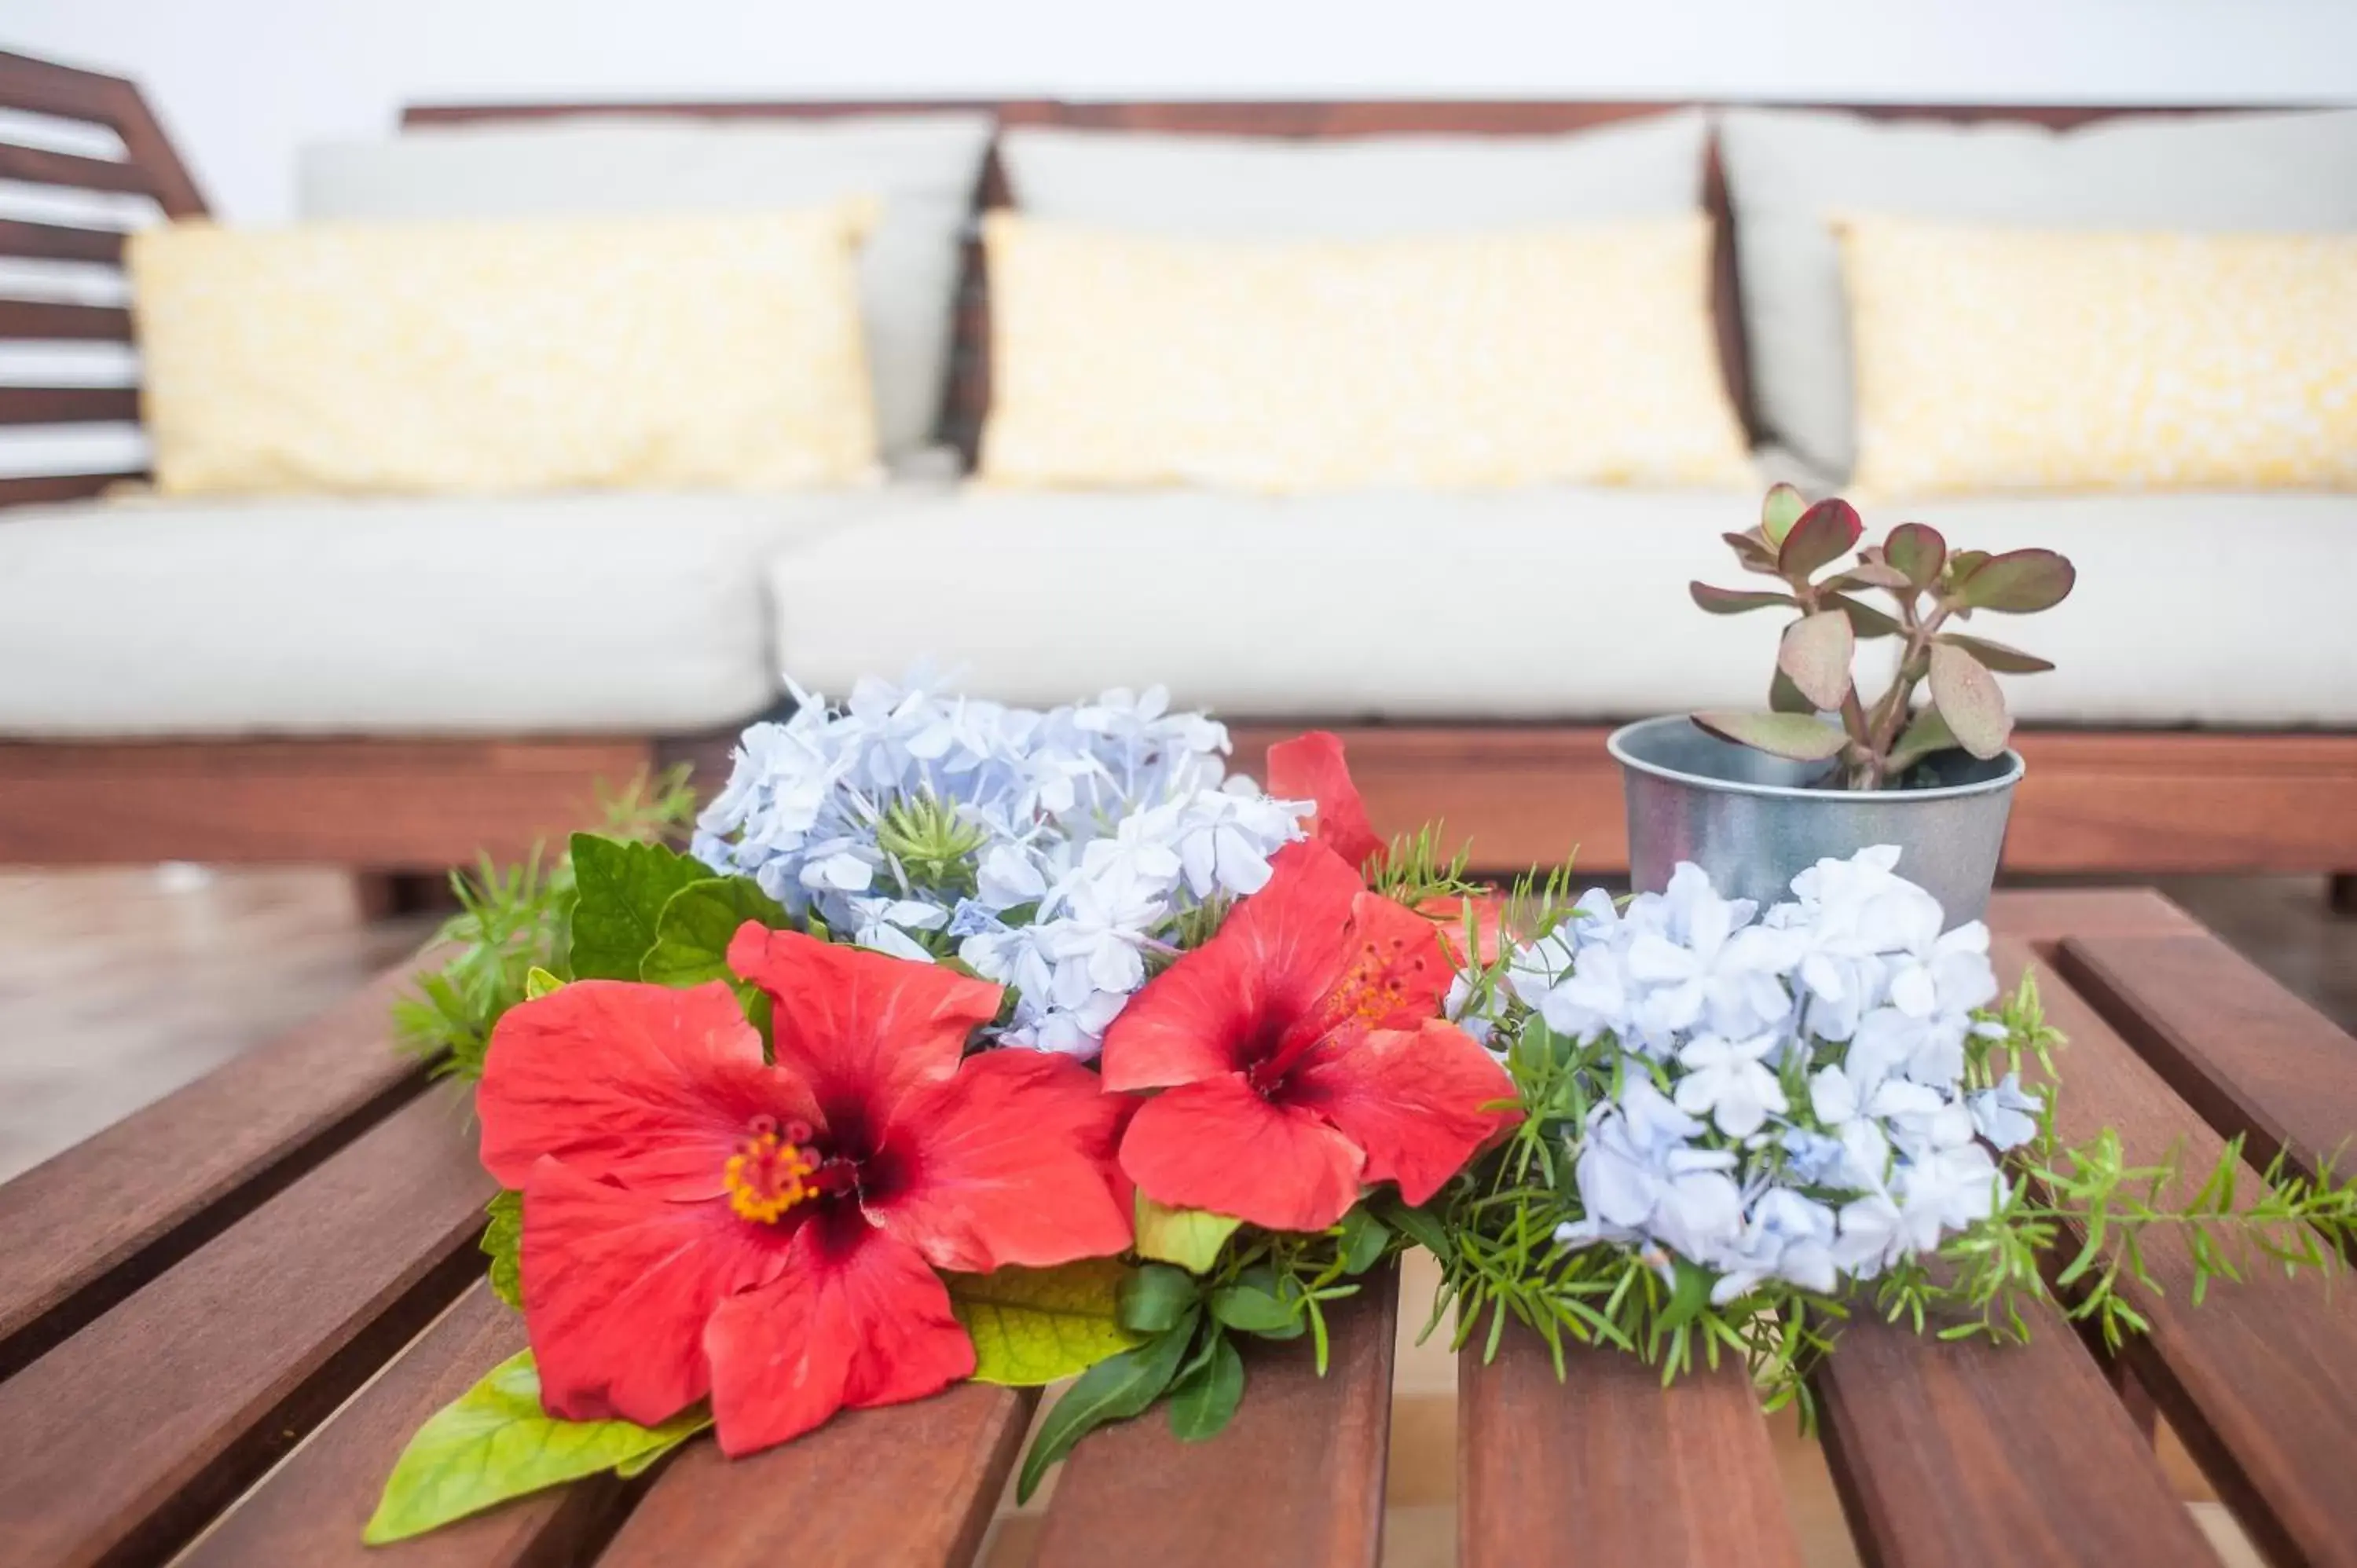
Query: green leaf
(494, 1443)
(1753, 552)
(1190, 1237)
(1031, 1327)
(1365, 1241)
(640, 1464)
(1917, 550)
(1926, 733)
(1688, 1296)
(538, 982)
(1968, 699)
(1783, 697)
(1823, 534)
(1251, 1303)
(502, 1240)
(1797, 737)
(1779, 511)
(1154, 1297)
(1734, 601)
(1815, 654)
(1996, 656)
(1114, 1389)
(2019, 582)
(697, 923)
(621, 891)
(1865, 621)
(1418, 1226)
(1203, 1401)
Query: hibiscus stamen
(766, 1175)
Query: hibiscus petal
(1397, 971)
(1006, 1164)
(1311, 768)
(1412, 1099)
(855, 1319)
(863, 1029)
(618, 1285)
(641, 1084)
(1218, 1146)
(1231, 1001)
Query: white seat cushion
(1547, 604)
(567, 614)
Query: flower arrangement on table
(974, 1042)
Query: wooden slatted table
(221, 1319)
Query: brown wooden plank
(2049, 913)
(43, 319)
(39, 165)
(42, 490)
(1969, 1453)
(387, 805)
(1296, 1481)
(80, 1231)
(912, 1484)
(47, 88)
(67, 406)
(310, 1510)
(2260, 1379)
(57, 241)
(119, 1443)
(2247, 1054)
(1607, 1467)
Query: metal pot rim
(1614, 742)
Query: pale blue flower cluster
(1086, 832)
(1792, 1103)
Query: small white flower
(1725, 1080)
(2006, 1115)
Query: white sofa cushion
(1790, 171)
(570, 614)
(925, 166)
(1545, 605)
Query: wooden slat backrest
(1607, 1467)
(126, 1438)
(2249, 1055)
(2261, 1378)
(80, 1231)
(148, 167)
(1296, 1481)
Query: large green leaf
(1114, 1389)
(1797, 737)
(494, 1443)
(1032, 1327)
(1926, 733)
(621, 891)
(1190, 1237)
(1155, 1297)
(1203, 1399)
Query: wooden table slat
(78, 1231)
(912, 1484)
(2050, 914)
(312, 1508)
(1607, 1467)
(1296, 1481)
(2261, 1379)
(1957, 1454)
(126, 1438)
(2249, 1055)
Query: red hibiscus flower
(1300, 1059)
(1310, 767)
(698, 1221)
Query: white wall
(241, 83)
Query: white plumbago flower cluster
(1051, 851)
(1792, 1103)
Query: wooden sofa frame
(2093, 802)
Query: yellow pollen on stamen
(766, 1176)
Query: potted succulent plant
(1757, 797)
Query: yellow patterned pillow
(1995, 359)
(1503, 358)
(695, 351)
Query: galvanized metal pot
(1750, 821)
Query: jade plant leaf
(1817, 654)
(1734, 601)
(1753, 552)
(1996, 656)
(1823, 534)
(1032, 1327)
(1926, 733)
(1802, 738)
(1865, 621)
(1969, 700)
(494, 1443)
(621, 889)
(1918, 551)
(1190, 1237)
(1779, 510)
(1783, 697)
(2019, 582)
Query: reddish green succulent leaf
(1996, 656)
(1783, 697)
(1963, 563)
(1926, 733)
(1865, 621)
(1799, 736)
(1734, 601)
(1968, 699)
(1780, 511)
(1753, 552)
(1824, 533)
(1917, 552)
(1815, 654)
(1871, 574)
(2019, 582)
